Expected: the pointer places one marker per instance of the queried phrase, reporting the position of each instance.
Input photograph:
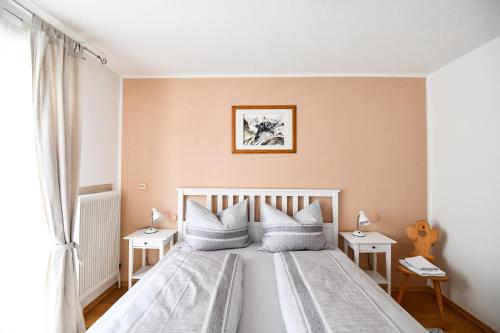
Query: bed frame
(220, 198)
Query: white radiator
(97, 235)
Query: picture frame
(264, 129)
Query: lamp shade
(363, 219)
(156, 216)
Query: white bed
(261, 311)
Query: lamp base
(358, 233)
(150, 230)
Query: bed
(267, 303)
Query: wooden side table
(373, 242)
(143, 241)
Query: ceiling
(277, 37)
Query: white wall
(464, 177)
(101, 123)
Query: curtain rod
(102, 60)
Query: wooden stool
(423, 237)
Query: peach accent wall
(366, 136)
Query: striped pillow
(303, 231)
(226, 230)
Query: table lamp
(363, 220)
(156, 216)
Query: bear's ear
(411, 231)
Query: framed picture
(270, 129)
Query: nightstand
(373, 242)
(143, 241)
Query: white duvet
(324, 291)
(187, 291)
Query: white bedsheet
(261, 309)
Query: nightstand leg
(130, 263)
(346, 248)
(375, 261)
(143, 257)
(356, 254)
(388, 270)
(162, 250)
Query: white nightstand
(140, 240)
(373, 242)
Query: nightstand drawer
(146, 243)
(373, 247)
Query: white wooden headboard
(227, 196)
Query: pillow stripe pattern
(303, 231)
(217, 234)
(206, 231)
(296, 229)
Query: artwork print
(264, 129)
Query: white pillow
(206, 231)
(303, 231)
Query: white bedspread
(260, 311)
(324, 291)
(187, 291)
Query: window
(24, 245)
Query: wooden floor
(421, 305)
(98, 310)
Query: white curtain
(55, 61)
(24, 245)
